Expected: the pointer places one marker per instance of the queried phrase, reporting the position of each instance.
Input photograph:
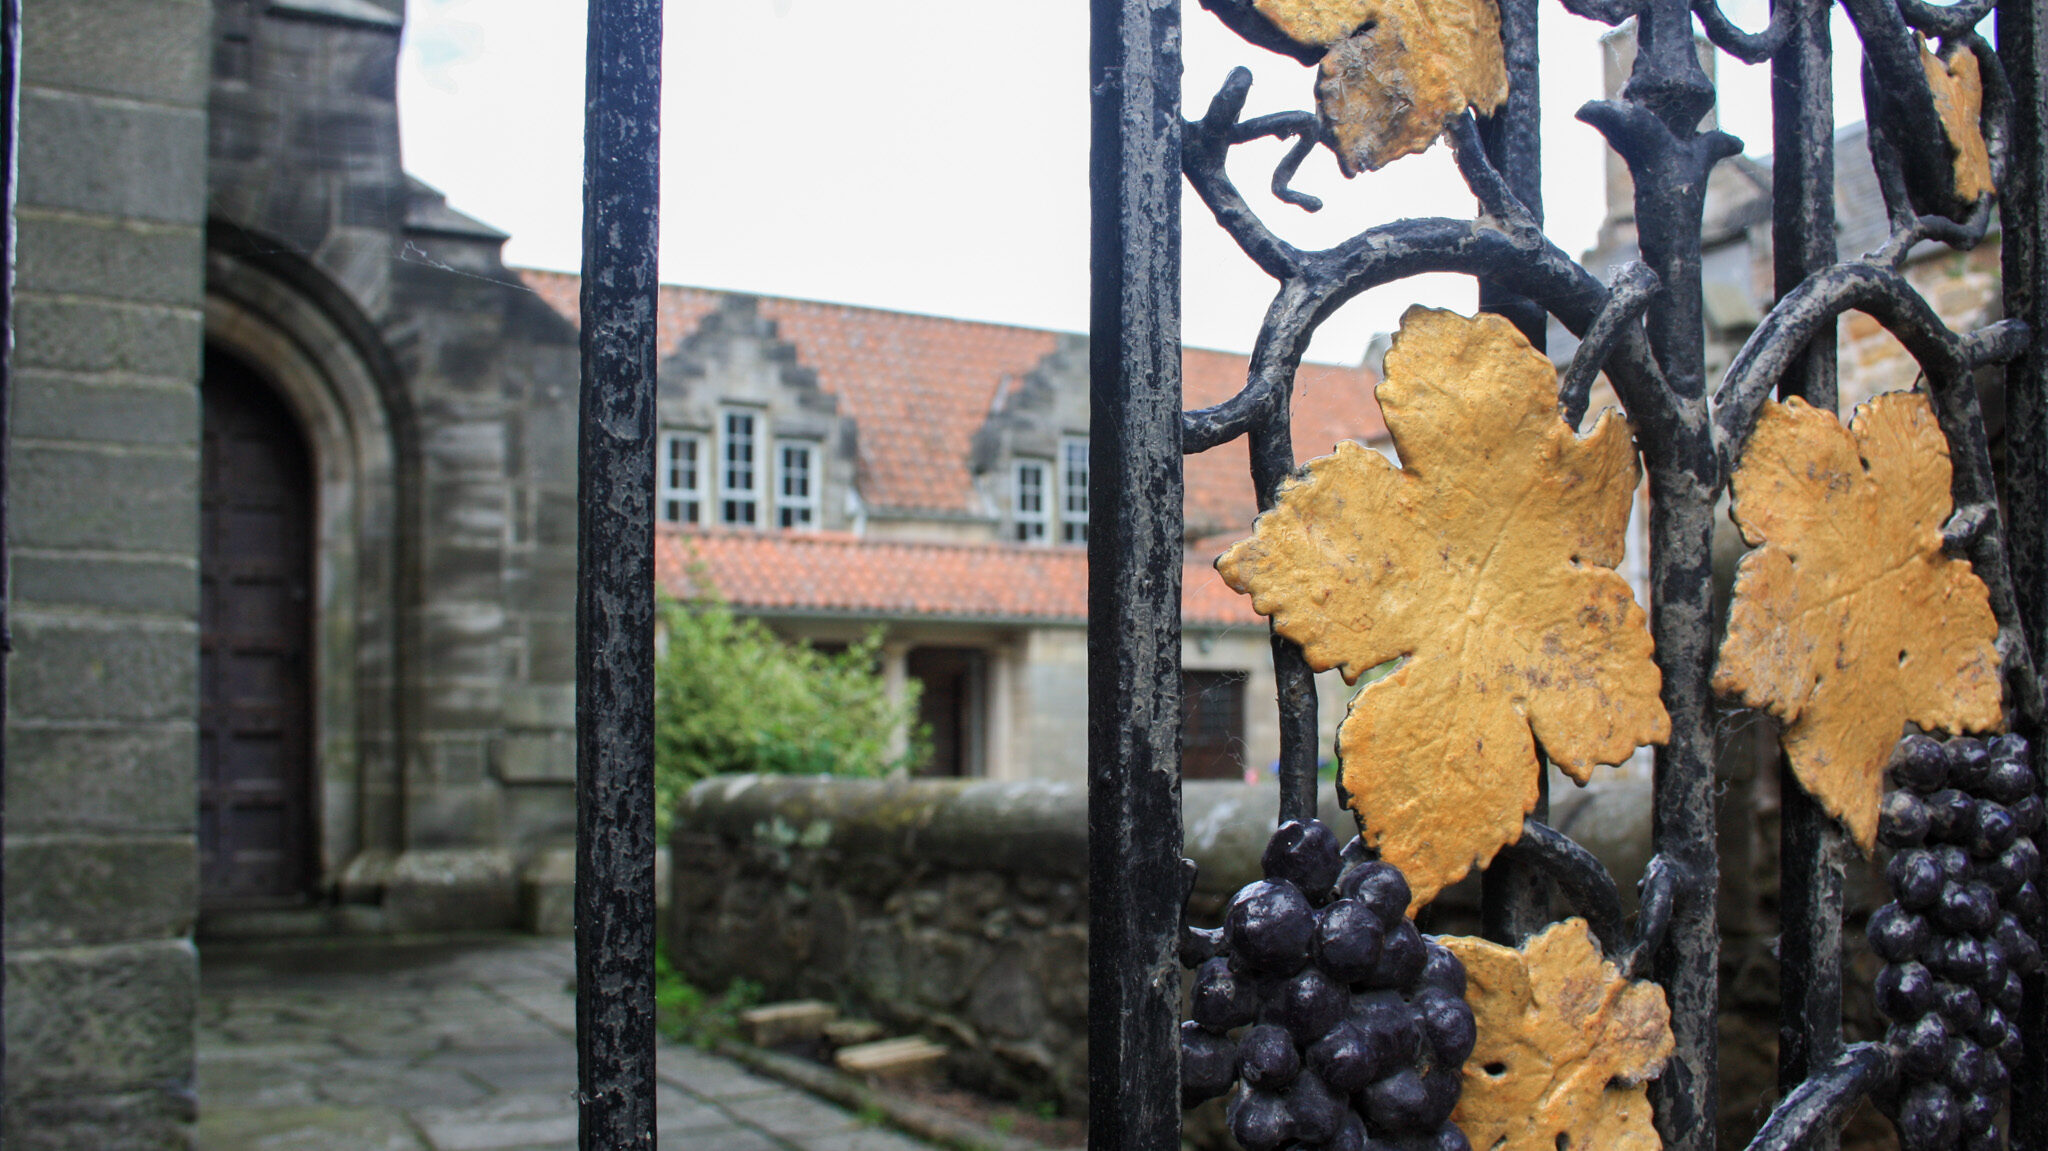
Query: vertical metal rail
(615, 580)
(1514, 897)
(10, 180)
(2022, 29)
(1134, 578)
(1656, 130)
(1811, 846)
(1514, 142)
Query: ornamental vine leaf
(1484, 565)
(1958, 88)
(1395, 71)
(1565, 1046)
(1848, 619)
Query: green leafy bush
(732, 696)
(689, 1015)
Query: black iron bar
(1513, 142)
(615, 580)
(1135, 549)
(10, 178)
(1655, 129)
(1749, 47)
(1588, 890)
(1627, 296)
(1655, 894)
(2022, 30)
(1812, 851)
(1813, 1109)
(1272, 460)
(1946, 19)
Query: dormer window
(738, 490)
(1074, 491)
(796, 485)
(1030, 509)
(679, 475)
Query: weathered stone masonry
(101, 974)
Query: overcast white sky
(931, 155)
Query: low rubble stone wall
(956, 909)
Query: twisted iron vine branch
(1644, 332)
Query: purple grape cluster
(1347, 1028)
(1959, 932)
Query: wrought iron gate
(1645, 331)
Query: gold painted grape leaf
(1848, 619)
(1565, 1046)
(1958, 89)
(1485, 564)
(1394, 71)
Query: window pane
(1030, 489)
(1030, 510)
(1074, 491)
(739, 452)
(679, 477)
(796, 494)
(1074, 483)
(739, 489)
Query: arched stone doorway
(324, 364)
(256, 837)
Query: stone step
(910, 1055)
(792, 1021)
(850, 1032)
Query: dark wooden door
(1212, 724)
(944, 707)
(255, 577)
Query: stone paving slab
(371, 1045)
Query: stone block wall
(101, 852)
(446, 759)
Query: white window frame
(740, 506)
(679, 465)
(1074, 490)
(796, 511)
(1031, 501)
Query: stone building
(293, 533)
(832, 469)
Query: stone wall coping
(1032, 827)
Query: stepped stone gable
(1028, 415)
(735, 358)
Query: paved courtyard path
(450, 1046)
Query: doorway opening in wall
(1212, 724)
(949, 706)
(255, 691)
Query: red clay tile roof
(834, 573)
(920, 386)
